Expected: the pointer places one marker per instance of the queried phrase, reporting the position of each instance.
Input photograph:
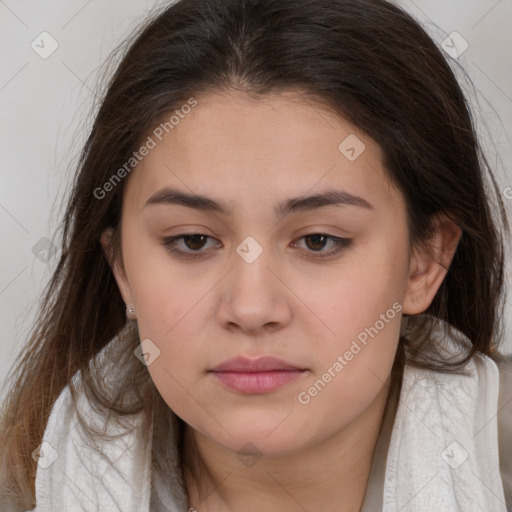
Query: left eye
(318, 242)
(196, 241)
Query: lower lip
(257, 382)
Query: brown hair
(367, 60)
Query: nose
(254, 296)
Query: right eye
(194, 241)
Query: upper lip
(261, 364)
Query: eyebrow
(170, 196)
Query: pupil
(195, 239)
(316, 240)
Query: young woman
(281, 280)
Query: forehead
(246, 151)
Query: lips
(256, 376)
(262, 364)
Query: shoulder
(505, 423)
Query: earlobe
(429, 265)
(116, 266)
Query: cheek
(353, 370)
(167, 293)
(171, 375)
(356, 293)
(362, 309)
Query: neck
(331, 475)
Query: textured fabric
(505, 427)
(439, 452)
(80, 479)
(443, 453)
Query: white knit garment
(443, 452)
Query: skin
(288, 303)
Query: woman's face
(262, 281)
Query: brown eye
(193, 244)
(318, 241)
(315, 242)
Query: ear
(116, 266)
(429, 265)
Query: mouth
(256, 376)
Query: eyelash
(169, 242)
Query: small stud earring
(130, 313)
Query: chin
(257, 446)
(263, 438)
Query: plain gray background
(45, 106)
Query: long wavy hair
(366, 60)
